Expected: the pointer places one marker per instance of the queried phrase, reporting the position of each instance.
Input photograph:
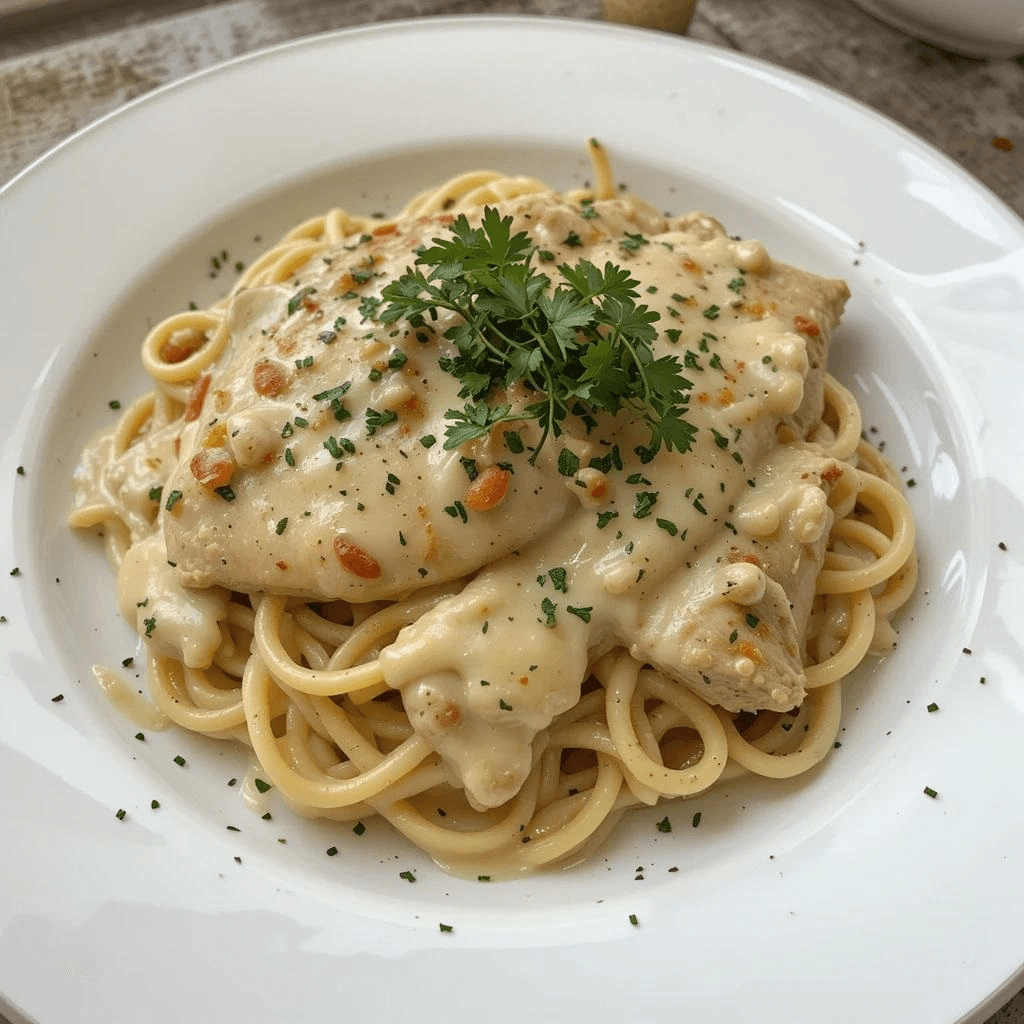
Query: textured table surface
(63, 63)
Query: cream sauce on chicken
(315, 467)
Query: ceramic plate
(846, 896)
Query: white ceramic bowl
(975, 28)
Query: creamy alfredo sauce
(315, 467)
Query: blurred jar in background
(667, 15)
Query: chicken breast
(315, 466)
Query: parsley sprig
(581, 346)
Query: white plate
(847, 896)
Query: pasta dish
(503, 516)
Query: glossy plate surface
(845, 896)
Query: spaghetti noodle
(499, 645)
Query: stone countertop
(63, 63)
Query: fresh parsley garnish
(299, 298)
(568, 462)
(514, 442)
(583, 343)
(645, 501)
(375, 420)
(332, 393)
